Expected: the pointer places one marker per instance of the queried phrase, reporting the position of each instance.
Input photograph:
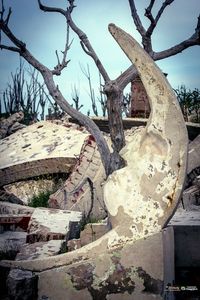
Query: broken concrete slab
(135, 271)
(191, 198)
(193, 154)
(92, 232)
(53, 224)
(73, 244)
(15, 209)
(83, 190)
(40, 250)
(41, 148)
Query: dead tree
(112, 88)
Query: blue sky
(45, 32)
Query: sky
(44, 33)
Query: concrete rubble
(11, 124)
(83, 190)
(53, 224)
(39, 149)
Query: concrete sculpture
(127, 262)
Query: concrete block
(73, 244)
(40, 250)
(52, 224)
(15, 209)
(41, 148)
(191, 198)
(92, 232)
(134, 271)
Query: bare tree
(112, 88)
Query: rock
(92, 232)
(53, 224)
(11, 242)
(41, 148)
(40, 250)
(83, 190)
(22, 285)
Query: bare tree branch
(61, 65)
(51, 9)
(153, 21)
(13, 49)
(136, 18)
(59, 99)
(87, 47)
(194, 40)
(82, 36)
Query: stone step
(53, 224)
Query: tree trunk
(114, 99)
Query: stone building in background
(139, 100)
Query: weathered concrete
(142, 196)
(193, 169)
(92, 232)
(52, 224)
(132, 272)
(41, 148)
(191, 198)
(83, 190)
(40, 250)
(15, 209)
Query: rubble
(41, 148)
(83, 190)
(53, 224)
(11, 124)
(92, 232)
